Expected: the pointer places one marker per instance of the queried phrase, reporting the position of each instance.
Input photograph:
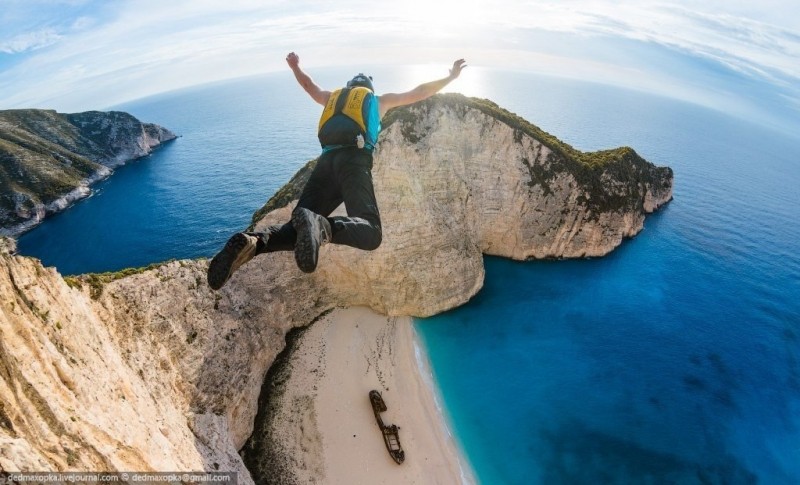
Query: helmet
(361, 80)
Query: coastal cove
(674, 356)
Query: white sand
(339, 360)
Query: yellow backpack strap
(354, 104)
(330, 108)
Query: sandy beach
(328, 426)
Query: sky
(740, 57)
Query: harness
(348, 114)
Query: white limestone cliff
(454, 182)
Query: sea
(674, 359)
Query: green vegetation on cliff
(45, 155)
(34, 169)
(96, 281)
(592, 170)
(522, 126)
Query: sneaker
(239, 249)
(313, 231)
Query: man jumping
(348, 131)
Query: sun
(471, 82)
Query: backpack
(350, 112)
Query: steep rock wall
(147, 371)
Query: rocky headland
(49, 159)
(149, 369)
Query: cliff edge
(149, 369)
(50, 159)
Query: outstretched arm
(423, 91)
(316, 93)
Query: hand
(293, 60)
(457, 67)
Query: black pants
(341, 175)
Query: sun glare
(470, 83)
(445, 18)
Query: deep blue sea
(675, 359)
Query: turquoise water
(676, 359)
(672, 360)
(238, 144)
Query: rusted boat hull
(391, 436)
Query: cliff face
(50, 159)
(457, 178)
(153, 371)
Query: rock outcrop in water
(50, 159)
(151, 370)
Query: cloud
(742, 43)
(82, 23)
(30, 41)
(718, 54)
(102, 53)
